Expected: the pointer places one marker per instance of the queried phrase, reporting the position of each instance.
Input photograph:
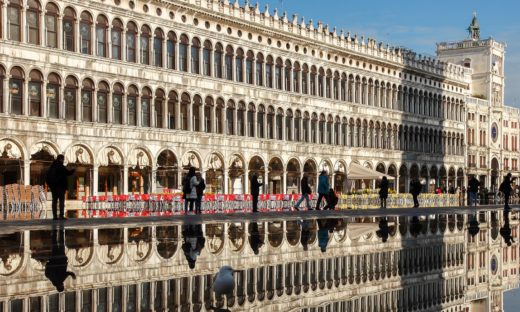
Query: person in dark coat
(505, 231)
(56, 267)
(200, 192)
(306, 191)
(323, 188)
(189, 189)
(323, 234)
(255, 191)
(306, 234)
(332, 200)
(194, 242)
(473, 186)
(506, 189)
(255, 240)
(56, 179)
(383, 192)
(415, 190)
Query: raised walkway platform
(18, 225)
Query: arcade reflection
(448, 262)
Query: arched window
(51, 25)
(195, 56)
(322, 130)
(336, 86)
(259, 70)
(269, 72)
(297, 126)
(197, 110)
(230, 120)
(278, 74)
(158, 39)
(35, 93)
(321, 82)
(16, 90)
(314, 127)
(208, 118)
(241, 128)
(14, 22)
(251, 120)
(101, 36)
(288, 125)
(296, 77)
(117, 104)
(53, 95)
(249, 67)
(69, 33)
(131, 35)
(287, 75)
(219, 116)
(217, 60)
(144, 42)
(87, 88)
(146, 99)
(185, 109)
(270, 122)
(102, 102)
(173, 101)
(170, 50)
(239, 65)
(85, 30)
(33, 21)
(183, 53)
(279, 124)
(158, 108)
(260, 122)
(131, 104)
(71, 87)
(229, 63)
(117, 30)
(206, 58)
(312, 83)
(305, 79)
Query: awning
(358, 172)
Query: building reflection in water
(434, 262)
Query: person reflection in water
(194, 242)
(56, 267)
(325, 226)
(505, 231)
(383, 231)
(255, 241)
(306, 234)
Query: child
(332, 200)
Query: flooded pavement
(429, 260)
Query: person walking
(332, 200)
(56, 179)
(323, 188)
(190, 189)
(383, 192)
(415, 190)
(506, 189)
(306, 191)
(200, 192)
(255, 191)
(473, 186)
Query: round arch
(236, 173)
(167, 174)
(293, 176)
(275, 176)
(215, 174)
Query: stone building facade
(135, 92)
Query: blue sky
(419, 24)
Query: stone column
(123, 45)
(226, 181)
(153, 177)
(265, 188)
(77, 40)
(25, 99)
(246, 181)
(235, 121)
(43, 98)
(138, 111)
(5, 99)
(95, 180)
(177, 108)
(284, 182)
(3, 12)
(213, 119)
(27, 172)
(95, 116)
(125, 181)
(79, 105)
(255, 126)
